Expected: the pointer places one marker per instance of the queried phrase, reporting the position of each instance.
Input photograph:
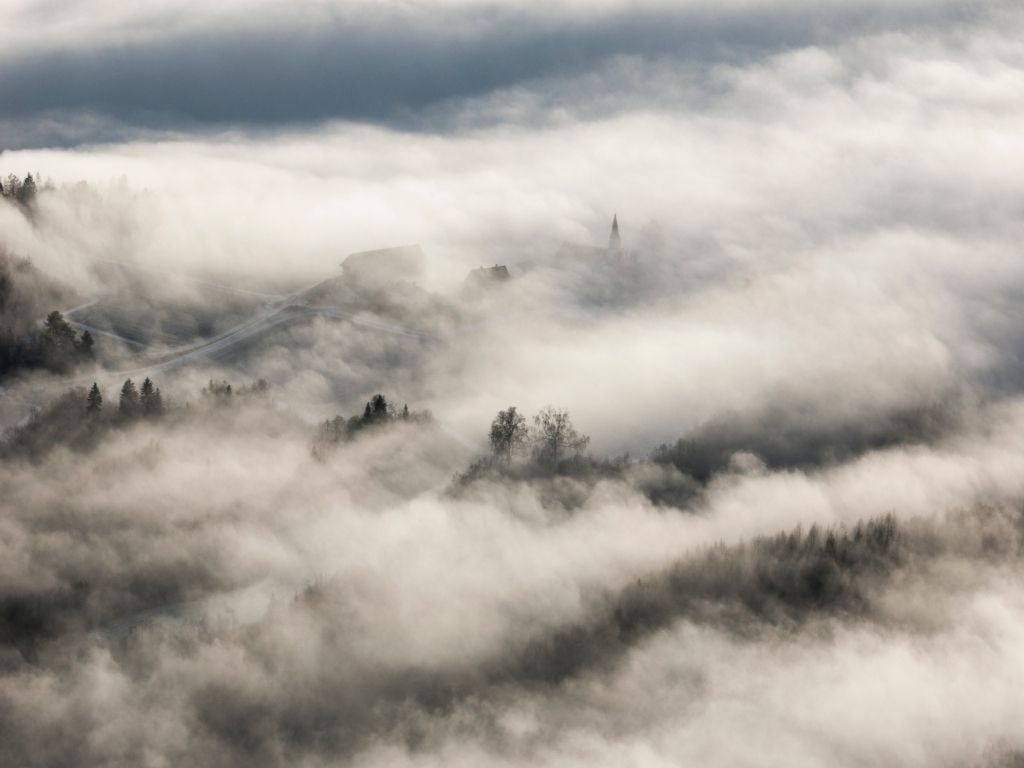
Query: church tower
(614, 241)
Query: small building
(485, 278)
(614, 241)
(573, 253)
(385, 265)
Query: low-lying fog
(794, 535)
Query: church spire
(614, 241)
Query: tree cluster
(56, 347)
(21, 191)
(546, 446)
(223, 393)
(79, 418)
(550, 441)
(773, 582)
(377, 413)
(65, 421)
(778, 578)
(134, 403)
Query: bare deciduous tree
(555, 436)
(509, 434)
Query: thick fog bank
(738, 482)
(207, 590)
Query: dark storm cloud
(390, 69)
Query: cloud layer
(817, 312)
(69, 72)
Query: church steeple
(614, 241)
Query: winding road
(280, 309)
(283, 309)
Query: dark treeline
(56, 347)
(26, 295)
(776, 581)
(765, 585)
(22, 191)
(771, 584)
(223, 393)
(783, 437)
(377, 413)
(548, 446)
(546, 451)
(81, 417)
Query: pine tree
(85, 344)
(58, 331)
(12, 186)
(128, 406)
(27, 191)
(95, 401)
(58, 343)
(149, 399)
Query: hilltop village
(380, 267)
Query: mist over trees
(222, 393)
(799, 587)
(509, 435)
(548, 446)
(791, 587)
(128, 403)
(32, 334)
(555, 438)
(82, 418)
(22, 191)
(57, 347)
(377, 414)
(763, 259)
(779, 581)
(782, 437)
(94, 401)
(135, 402)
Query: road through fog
(734, 481)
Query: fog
(782, 521)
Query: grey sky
(398, 64)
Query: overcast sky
(73, 71)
